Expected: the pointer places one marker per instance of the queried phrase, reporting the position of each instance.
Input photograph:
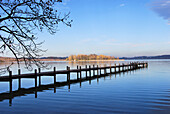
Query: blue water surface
(141, 91)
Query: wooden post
(54, 79)
(10, 88)
(119, 67)
(90, 74)
(39, 71)
(68, 77)
(115, 68)
(128, 67)
(110, 69)
(80, 76)
(35, 83)
(93, 71)
(89, 71)
(123, 67)
(80, 73)
(35, 77)
(68, 74)
(134, 66)
(77, 73)
(105, 69)
(10, 81)
(54, 75)
(137, 64)
(86, 71)
(97, 70)
(19, 79)
(100, 70)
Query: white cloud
(88, 40)
(121, 5)
(162, 8)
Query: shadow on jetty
(41, 88)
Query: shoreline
(98, 60)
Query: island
(91, 57)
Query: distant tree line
(90, 57)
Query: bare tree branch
(19, 19)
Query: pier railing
(87, 69)
(115, 69)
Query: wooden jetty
(116, 69)
(87, 69)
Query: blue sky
(112, 27)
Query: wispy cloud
(121, 5)
(126, 44)
(88, 40)
(162, 8)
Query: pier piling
(97, 70)
(86, 71)
(19, 79)
(89, 71)
(77, 73)
(10, 81)
(54, 75)
(39, 71)
(35, 78)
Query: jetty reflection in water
(41, 88)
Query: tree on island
(90, 57)
(18, 21)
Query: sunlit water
(141, 91)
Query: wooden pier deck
(88, 77)
(88, 69)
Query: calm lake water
(141, 91)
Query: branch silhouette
(18, 21)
